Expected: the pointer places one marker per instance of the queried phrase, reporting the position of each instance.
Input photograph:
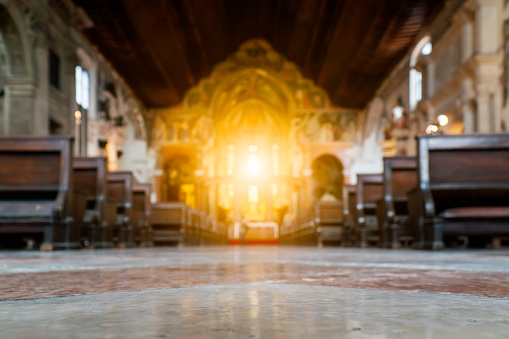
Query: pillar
(41, 108)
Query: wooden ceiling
(163, 48)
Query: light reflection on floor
(255, 292)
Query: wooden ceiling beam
(164, 47)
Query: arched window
(423, 47)
(81, 114)
(82, 88)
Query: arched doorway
(179, 182)
(327, 178)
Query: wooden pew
(369, 190)
(193, 227)
(329, 222)
(141, 214)
(36, 189)
(169, 220)
(349, 212)
(399, 177)
(300, 230)
(463, 187)
(90, 176)
(119, 188)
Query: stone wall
(38, 36)
(465, 77)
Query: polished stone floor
(254, 292)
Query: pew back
(400, 176)
(476, 165)
(329, 212)
(463, 186)
(119, 189)
(168, 220)
(37, 167)
(90, 177)
(369, 191)
(36, 188)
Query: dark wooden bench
(119, 188)
(218, 230)
(399, 177)
(369, 190)
(141, 214)
(463, 187)
(193, 230)
(349, 212)
(90, 176)
(206, 234)
(36, 190)
(300, 231)
(329, 222)
(169, 220)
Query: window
(83, 101)
(426, 50)
(275, 159)
(82, 88)
(415, 87)
(230, 160)
(54, 70)
(423, 47)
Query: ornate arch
(270, 66)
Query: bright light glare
(253, 165)
(397, 112)
(442, 120)
(252, 194)
(431, 129)
(426, 49)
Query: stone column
(485, 89)
(41, 108)
(430, 72)
(487, 26)
(307, 173)
(70, 61)
(467, 35)
(158, 175)
(19, 106)
(467, 95)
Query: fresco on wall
(258, 54)
(257, 71)
(326, 127)
(251, 125)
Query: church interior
(254, 169)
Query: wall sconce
(432, 129)
(442, 120)
(77, 115)
(436, 126)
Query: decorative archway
(253, 125)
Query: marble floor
(254, 292)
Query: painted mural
(245, 125)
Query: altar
(259, 232)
